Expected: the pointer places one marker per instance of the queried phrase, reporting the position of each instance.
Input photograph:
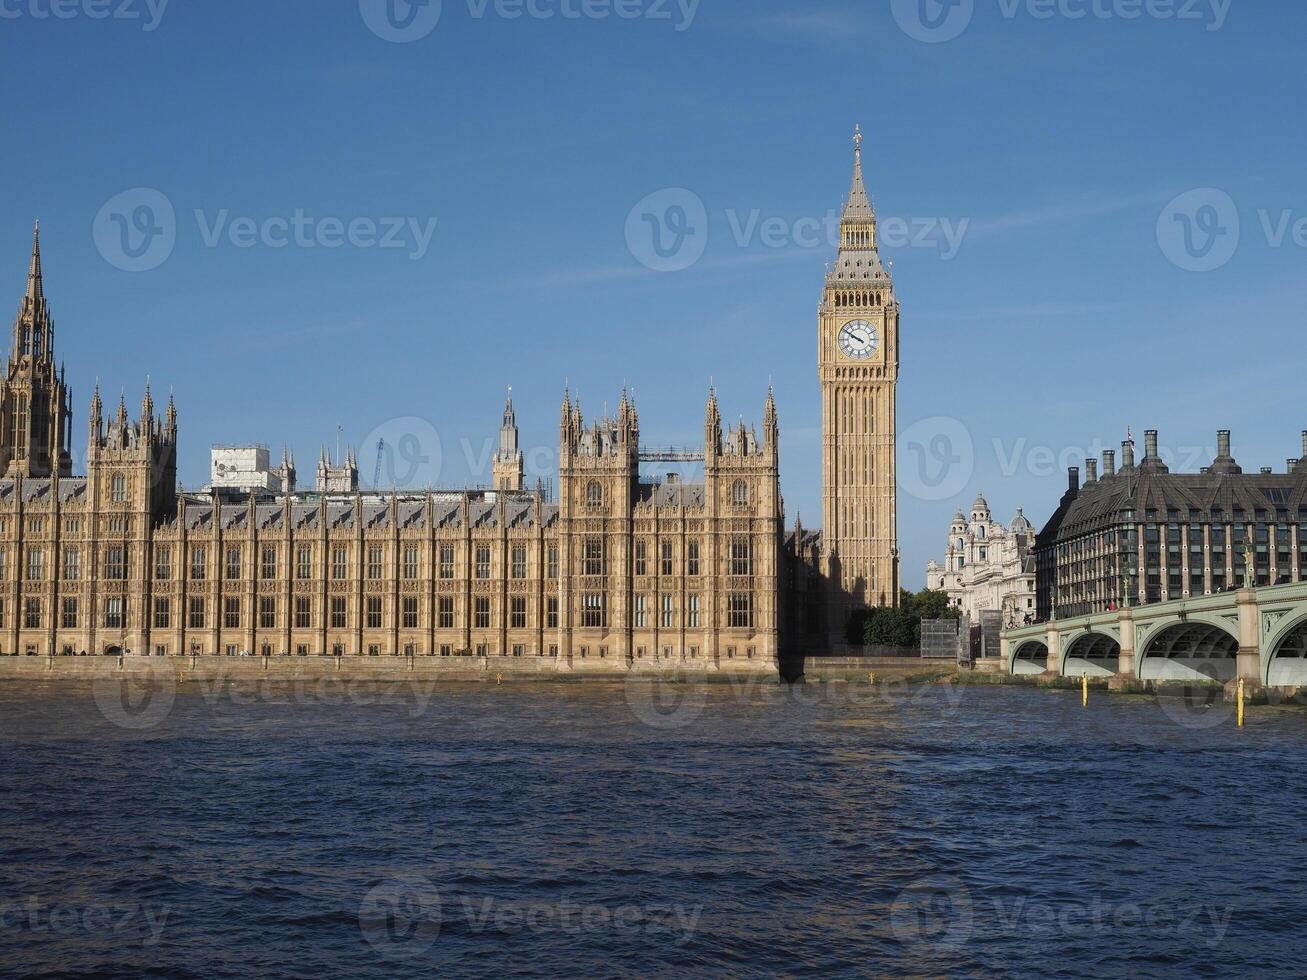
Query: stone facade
(858, 367)
(988, 567)
(1142, 534)
(620, 571)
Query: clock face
(859, 340)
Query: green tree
(900, 627)
(929, 604)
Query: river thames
(335, 830)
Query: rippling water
(563, 829)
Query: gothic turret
(771, 432)
(507, 470)
(35, 409)
(712, 426)
(286, 471)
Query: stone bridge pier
(1259, 635)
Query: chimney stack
(1109, 463)
(1224, 462)
(1091, 471)
(1127, 455)
(1223, 444)
(1293, 464)
(1150, 444)
(1267, 470)
(1304, 443)
(1073, 479)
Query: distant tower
(341, 478)
(131, 466)
(35, 409)
(287, 471)
(508, 472)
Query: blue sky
(1052, 145)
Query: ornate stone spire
(859, 206)
(170, 417)
(858, 262)
(770, 426)
(510, 417)
(35, 287)
(712, 425)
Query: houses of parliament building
(618, 572)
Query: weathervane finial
(857, 137)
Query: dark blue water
(548, 829)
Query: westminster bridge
(1259, 635)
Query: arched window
(118, 488)
(980, 533)
(740, 493)
(594, 494)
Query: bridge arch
(1192, 650)
(1095, 654)
(1030, 657)
(1288, 661)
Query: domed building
(988, 567)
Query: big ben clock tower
(858, 363)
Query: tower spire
(35, 287)
(858, 207)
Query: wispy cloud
(1034, 311)
(825, 25)
(1060, 213)
(280, 338)
(591, 275)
